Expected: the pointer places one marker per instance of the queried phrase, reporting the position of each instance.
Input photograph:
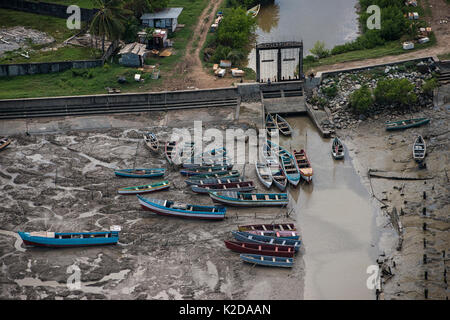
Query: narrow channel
(336, 219)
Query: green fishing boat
(405, 124)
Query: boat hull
(247, 237)
(248, 203)
(267, 250)
(121, 191)
(66, 243)
(267, 261)
(395, 125)
(268, 227)
(154, 174)
(180, 213)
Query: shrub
(319, 50)
(361, 100)
(395, 91)
(429, 86)
(330, 91)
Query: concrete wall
(109, 103)
(12, 70)
(48, 9)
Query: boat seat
(266, 197)
(254, 197)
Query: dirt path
(194, 75)
(440, 10)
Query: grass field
(95, 80)
(88, 4)
(391, 48)
(62, 54)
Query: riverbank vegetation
(232, 38)
(396, 28)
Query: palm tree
(107, 21)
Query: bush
(361, 100)
(429, 86)
(395, 91)
(330, 91)
(319, 50)
(309, 59)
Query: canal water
(333, 22)
(336, 218)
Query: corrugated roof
(135, 48)
(167, 13)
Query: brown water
(336, 219)
(331, 21)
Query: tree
(319, 50)
(235, 29)
(139, 7)
(108, 20)
(395, 91)
(361, 100)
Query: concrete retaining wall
(114, 100)
(48, 9)
(20, 69)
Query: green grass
(67, 83)
(62, 54)
(88, 4)
(390, 48)
(445, 56)
(55, 27)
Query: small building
(133, 55)
(164, 19)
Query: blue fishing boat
(219, 175)
(288, 163)
(176, 209)
(203, 171)
(269, 261)
(221, 180)
(242, 199)
(252, 238)
(70, 239)
(140, 173)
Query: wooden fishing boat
(287, 161)
(151, 141)
(278, 176)
(222, 174)
(264, 249)
(264, 174)
(241, 199)
(277, 234)
(268, 227)
(244, 186)
(214, 157)
(203, 170)
(303, 164)
(182, 210)
(253, 12)
(419, 149)
(4, 142)
(337, 149)
(271, 126)
(251, 238)
(283, 125)
(221, 180)
(145, 188)
(70, 239)
(140, 173)
(268, 261)
(405, 124)
(170, 150)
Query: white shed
(165, 19)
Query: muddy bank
(62, 180)
(415, 267)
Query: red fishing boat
(262, 249)
(243, 186)
(303, 164)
